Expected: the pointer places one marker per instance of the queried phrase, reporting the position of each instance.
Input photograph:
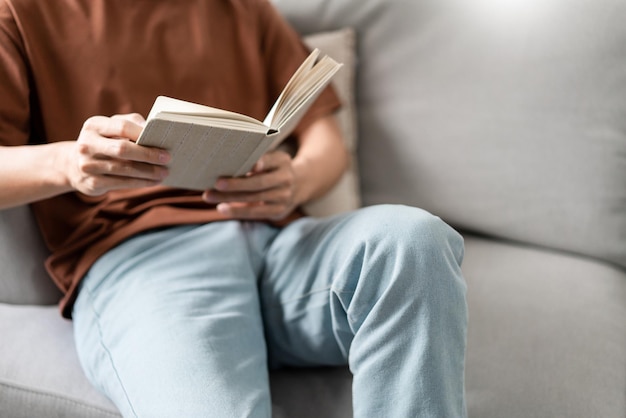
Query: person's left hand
(268, 192)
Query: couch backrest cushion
(23, 278)
(505, 118)
(345, 196)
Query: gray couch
(507, 119)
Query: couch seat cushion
(547, 334)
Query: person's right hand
(105, 156)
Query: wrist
(304, 190)
(58, 172)
(21, 184)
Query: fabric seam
(106, 350)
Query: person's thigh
(168, 324)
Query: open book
(206, 143)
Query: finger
(258, 182)
(121, 149)
(114, 127)
(133, 117)
(123, 169)
(98, 185)
(127, 150)
(270, 161)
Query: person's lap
(175, 322)
(178, 319)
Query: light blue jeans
(184, 321)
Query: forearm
(30, 173)
(321, 159)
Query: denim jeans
(186, 321)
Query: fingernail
(207, 197)
(221, 185)
(223, 208)
(164, 157)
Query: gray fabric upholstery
(547, 334)
(505, 118)
(39, 373)
(23, 278)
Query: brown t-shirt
(63, 61)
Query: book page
(295, 80)
(217, 120)
(317, 78)
(301, 90)
(164, 105)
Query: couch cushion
(547, 334)
(505, 118)
(39, 373)
(23, 278)
(345, 196)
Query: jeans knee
(415, 229)
(423, 247)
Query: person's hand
(105, 156)
(269, 191)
